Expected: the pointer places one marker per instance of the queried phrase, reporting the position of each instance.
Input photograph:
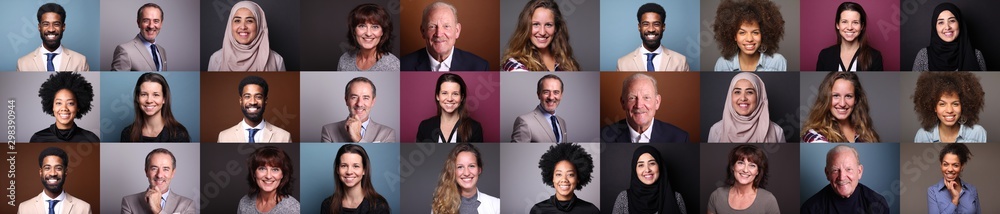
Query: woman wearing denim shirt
(948, 106)
(952, 194)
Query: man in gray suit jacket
(160, 167)
(542, 124)
(358, 127)
(142, 53)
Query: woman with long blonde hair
(456, 191)
(840, 113)
(540, 41)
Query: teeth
(651, 36)
(51, 36)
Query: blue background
(20, 30)
(317, 174)
(620, 30)
(119, 113)
(881, 169)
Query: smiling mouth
(749, 46)
(949, 118)
(949, 33)
(564, 186)
(64, 115)
(52, 181)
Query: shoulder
(766, 195)
(277, 57)
(469, 56)
(72, 53)
(812, 136)
(513, 65)
(90, 136)
(488, 198)
(628, 56)
(777, 57)
(134, 197)
(725, 64)
(277, 129)
(180, 198)
(978, 129)
(474, 124)
(622, 197)
(413, 56)
(871, 194)
(922, 53)
(77, 201)
(430, 121)
(347, 57)
(667, 127)
(336, 125)
(389, 58)
(217, 56)
(27, 57)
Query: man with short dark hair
(542, 124)
(253, 129)
(160, 167)
(52, 163)
(358, 127)
(142, 53)
(652, 55)
(52, 56)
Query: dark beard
(651, 45)
(58, 188)
(256, 118)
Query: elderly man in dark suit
(640, 99)
(440, 29)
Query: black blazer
(662, 133)
(460, 61)
(829, 59)
(430, 130)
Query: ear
(458, 30)
(861, 171)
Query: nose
(949, 109)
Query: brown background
(82, 175)
(220, 102)
(480, 21)
(679, 99)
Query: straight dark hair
(864, 51)
(375, 201)
(169, 123)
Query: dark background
(480, 21)
(82, 173)
(328, 39)
(979, 18)
(221, 189)
(782, 180)
(282, 25)
(616, 171)
(420, 168)
(782, 103)
(220, 102)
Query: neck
(154, 122)
(450, 117)
(64, 127)
(749, 60)
(744, 189)
(52, 48)
(441, 56)
(252, 123)
(367, 54)
(267, 197)
(949, 131)
(564, 198)
(651, 48)
(468, 193)
(354, 194)
(849, 47)
(52, 194)
(544, 52)
(638, 127)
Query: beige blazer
(272, 134)
(374, 133)
(133, 56)
(71, 61)
(534, 127)
(136, 204)
(670, 61)
(38, 205)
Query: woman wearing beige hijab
(745, 119)
(245, 46)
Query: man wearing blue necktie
(652, 56)
(542, 124)
(358, 127)
(143, 53)
(252, 128)
(52, 56)
(160, 167)
(52, 164)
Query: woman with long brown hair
(452, 123)
(354, 192)
(540, 41)
(851, 53)
(154, 122)
(840, 113)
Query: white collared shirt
(444, 65)
(59, 206)
(163, 199)
(643, 137)
(149, 50)
(257, 137)
(56, 62)
(548, 118)
(656, 59)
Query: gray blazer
(534, 127)
(375, 133)
(136, 203)
(133, 56)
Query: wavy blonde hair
(821, 121)
(446, 195)
(520, 48)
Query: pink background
(417, 101)
(819, 30)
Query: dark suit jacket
(430, 130)
(829, 60)
(662, 133)
(460, 61)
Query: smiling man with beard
(160, 167)
(652, 56)
(358, 127)
(52, 56)
(52, 163)
(253, 129)
(542, 124)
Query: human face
(467, 170)
(50, 28)
(150, 23)
(641, 102)
(253, 102)
(351, 169)
(360, 100)
(543, 27)
(949, 109)
(842, 99)
(651, 30)
(268, 178)
(450, 97)
(947, 26)
(564, 179)
(53, 174)
(368, 35)
(160, 171)
(843, 171)
(151, 98)
(745, 171)
(849, 25)
(744, 97)
(244, 26)
(64, 107)
(748, 37)
(550, 95)
(648, 169)
(951, 168)
(441, 31)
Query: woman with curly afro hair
(66, 96)
(566, 167)
(948, 106)
(748, 32)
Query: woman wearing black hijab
(950, 48)
(649, 190)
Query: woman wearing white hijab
(745, 119)
(245, 46)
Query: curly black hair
(82, 91)
(932, 85)
(573, 153)
(733, 13)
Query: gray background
(883, 93)
(20, 30)
(318, 180)
(119, 111)
(177, 34)
(680, 161)
(979, 17)
(123, 174)
(522, 179)
(322, 97)
(782, 103)
(222, 188)
(420, 168)
(909, 119)
(582, 18)
(333, 33)
(881, 169)
(579, 107)
(283, 28)
(782, 180)
(22, 88)
(620, 30)
(921, 168)
(787, 47)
